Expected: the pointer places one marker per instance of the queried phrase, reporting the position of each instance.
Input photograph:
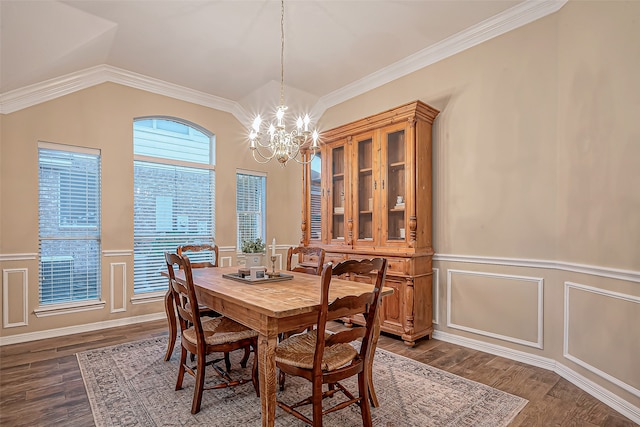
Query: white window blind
(173, 199)
(69, 219)
(250, 206)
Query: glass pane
(250, 207)
(337, 194)
(69, 219)
(396, 174)
(316, 198)
(169, 139)
(173, 205)
(364, 199)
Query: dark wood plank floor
(41, 384)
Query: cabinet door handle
(383, 184)
(375, 184)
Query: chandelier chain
(282, 52)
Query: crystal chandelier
(278, 142)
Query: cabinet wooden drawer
(398, 266)
(334, 258)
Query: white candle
(273, 247)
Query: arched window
(174, 194)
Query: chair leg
(245, 358)
(173, 327)
(199, 386)
(254, 370)
(227, 362)
(281, 380)
(363, 391)
(183, 360)
(317, 403)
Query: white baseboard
(78, 329)
(605, 396)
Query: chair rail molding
(594, 270)
(18, 257)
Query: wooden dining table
(270, 308)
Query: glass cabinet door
(364, 184)
(315, 194)
(337, 193)
(394, 190)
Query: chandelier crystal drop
(277, 142)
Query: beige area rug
(131, 385)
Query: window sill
(148, 297)
(68, 308)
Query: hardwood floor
(41, 383)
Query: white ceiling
(228, 51)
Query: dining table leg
(267, 341)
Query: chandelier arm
(302, 162)
(266, 158)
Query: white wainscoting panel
(435, 296)
(118, 286)
(9, 288)
(617, 338)
(537, 281)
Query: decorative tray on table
(239, 277)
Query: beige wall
(102, 117)
(536, 201)
(536, 192)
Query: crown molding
(517, 16)
(54, 88)
(509, 20)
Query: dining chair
(203, 335)
(310, 259)
(203, 255)
(324, 358)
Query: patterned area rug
(131, 385)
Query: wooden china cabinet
(367, 193)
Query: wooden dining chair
(203, 255)
(310, 259)
(203, 335)
(324, 358)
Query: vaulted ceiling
(226, 53)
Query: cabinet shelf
(366, 171)
(396, 165)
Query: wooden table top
(276, 299)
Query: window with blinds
(174, 195)
(250, 206)
(69, 223)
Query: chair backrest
(201, 252)
(310, 259)
(341, 306)
(184, 296)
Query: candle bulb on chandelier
(273, 247)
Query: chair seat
(220, 330)
(299, 350)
